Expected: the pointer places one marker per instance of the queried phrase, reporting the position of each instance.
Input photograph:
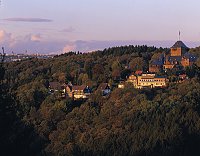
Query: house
(68, 90)
(182, 77)
(121, 85)
(132, 79)
(81, 92)
(104, 88)
(57, 87)
(54, 86)
(151, 81)
(147, 80)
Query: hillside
(158, 121)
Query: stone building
(179, 56)
(147, 81)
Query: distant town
(20, 57)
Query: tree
(88, 68)
(98, 72)
(125, 73)
(67, 74)
(137, 64)
(2, 69)
(116, 70)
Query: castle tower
(179, 49)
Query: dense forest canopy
(159, 121)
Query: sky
(47, 26)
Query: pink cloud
(38, 43)
(36, 38)
(69, 47)
(4, 36)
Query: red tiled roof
(138, 72)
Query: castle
(178, 57)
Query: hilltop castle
(178, 56)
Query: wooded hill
(127, 122)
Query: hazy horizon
(61, 26)
(89, 46)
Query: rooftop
(82, 87)
(179, 44)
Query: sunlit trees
(161, 121)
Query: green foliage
(193, 71)
(126, 122)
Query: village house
(182, 78)
(54, 86)
(121, 85)
(57, 87)
(81, 92)
(132, 79)
(68, 90)
(104, 88)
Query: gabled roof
(55, 85)
(82, 87)
(103, 86)
(179, 44)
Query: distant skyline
(43, 26)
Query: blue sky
(48, 26)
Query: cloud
(6, 39)
(36, 38)
(33, 43)
(69, 47)
(4, 36)
(37, 43)
(27, 20)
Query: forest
(158, 121)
